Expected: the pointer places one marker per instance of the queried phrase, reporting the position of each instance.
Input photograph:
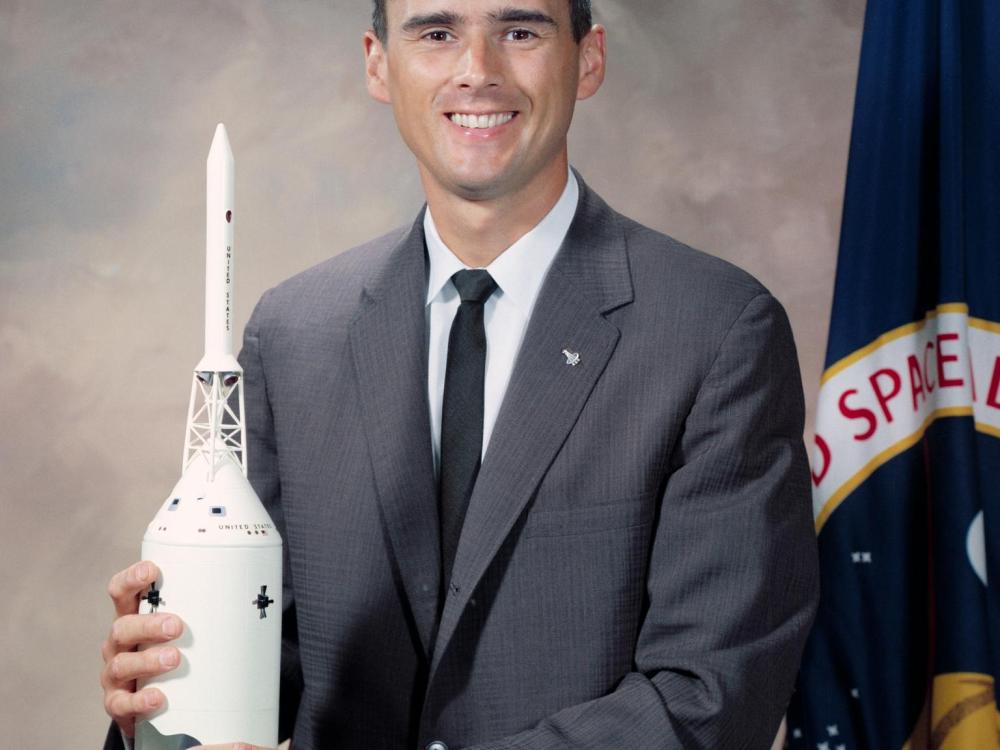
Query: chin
(477, 190)
(480, 184)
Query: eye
(438, 35)
(520, 35)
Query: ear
(376, 77)
(593, 57)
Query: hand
(123, 663)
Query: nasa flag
(906, 463)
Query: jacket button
(437, 745)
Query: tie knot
(474, 285)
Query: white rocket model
(218, 550)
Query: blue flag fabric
(906, 465)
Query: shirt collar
(520, 269)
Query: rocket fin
(149, 738)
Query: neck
(478, 231)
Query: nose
(481, 66)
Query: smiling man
(483, 95)
(538, 468)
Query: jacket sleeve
(114, 739)
(733, 580)
(262, 465)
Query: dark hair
(579, 12)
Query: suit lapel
(588, 278)
(389, 349)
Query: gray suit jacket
(637, 567)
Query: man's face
(483, 90)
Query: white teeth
(482, 121)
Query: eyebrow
(441, 18)
(504, 15)
(522, 15)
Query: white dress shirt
(519, 272)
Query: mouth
(481, 121)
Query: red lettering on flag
(866, 414)
(927, 370)
(991, 399)
(884, 398)
(916, 380)
(824, 452)
(944, 359)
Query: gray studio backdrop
(723, 122)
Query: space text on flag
(878, 401)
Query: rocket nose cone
(220, 143)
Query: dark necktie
(462, 411)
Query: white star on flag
(832, 729)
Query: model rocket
(217, 549)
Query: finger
(133, 630)
(128, 666)
(123, 706)
(124, 587)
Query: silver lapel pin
(572, 358)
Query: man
(559, 503)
